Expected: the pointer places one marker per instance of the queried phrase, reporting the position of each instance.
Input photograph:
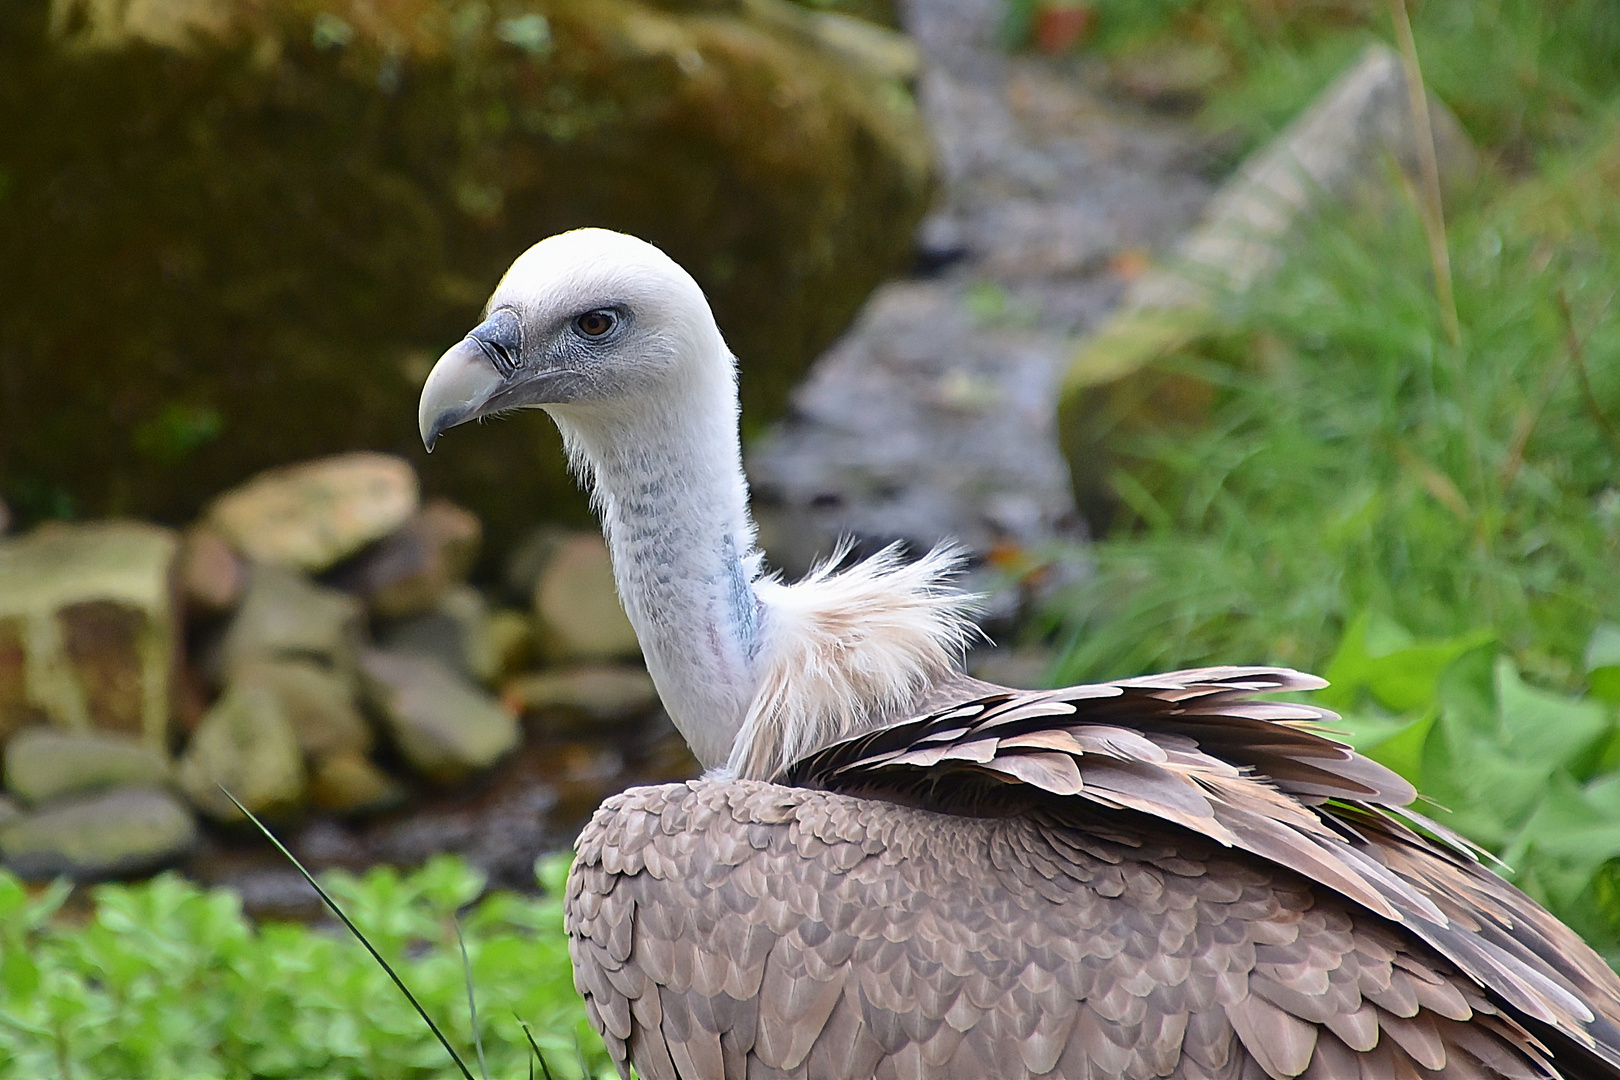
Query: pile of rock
(310, 645)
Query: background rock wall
(237, 233)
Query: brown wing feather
(1203, 755)
(1153, 877)
(868, 939)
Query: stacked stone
(311, 645)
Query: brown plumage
(896, 871)
(1158, 877)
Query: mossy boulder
(237, 233)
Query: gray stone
(285, 615)
(45, 763)
(88, 629)
(211, 574)
(878, 51)
(933, 417)
(443, 725)
(576, 605)
(922, 425)
(457, 632)
(348, 783)
(8, 809)
(114, 833)
(246, 745)
(410, 571)
(528, 558)
(510, 636)
(600, 692)
(1337, 148)
(311, 515)
(318, 703)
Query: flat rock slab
(410, 571)
(600, 692)
(311, 515)
(576, 604)
(285, 615)
(112, 834)
(46, 763)
(446, 727)
(456, 632)
(318, 703)
(246, 745)
(1340, 148)
(348, 783)
(88, 629)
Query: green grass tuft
(1354, 460)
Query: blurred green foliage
(164, 979)
(1520, 74)
(1354, 460)
(1530, 774)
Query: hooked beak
(459, 388)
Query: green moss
(249, 252)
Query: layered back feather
(843, 651)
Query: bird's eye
(595, 324)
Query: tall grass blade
(355, 930)
(534, 1046)
(472, 1000)
(579, 1055)
(1434, 217)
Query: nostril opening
(496, 354)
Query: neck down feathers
(846, 651)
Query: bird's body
(892, 870)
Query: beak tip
(456, 390)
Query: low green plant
(167, 979)
(1354, 459)
(1521, 75)
(1530, 774)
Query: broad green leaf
(1604, 795)
(1379, 658)
(1403, 750)
(1604, 648)
(1603, 663)
(1564, 842)
(1478, 791)
(18, 972)
(1466, 691)
(1544, 727)
(1604, 683)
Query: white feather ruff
(841, 650)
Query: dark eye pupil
(594, 323)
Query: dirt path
(933, 416)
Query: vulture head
(590, 325)
(614, 340)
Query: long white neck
(666, 476)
